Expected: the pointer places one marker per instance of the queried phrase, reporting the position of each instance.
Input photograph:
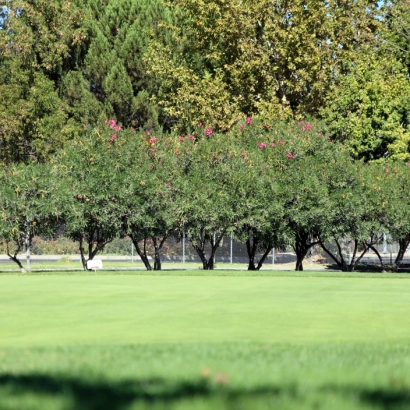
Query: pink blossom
(272, 144)
(168, 185)
(408, 164)
(191, 137)
(243, 155)
(113, 137)
(308, 127)
(187, 152)
(289, 155)
(116, 128)
(241, 127)
(181, 138)
(267, 165)
(387, 170)
(200, 124)
(148, 133)
(84, 126)
(152, 149)
(153, 140)
(248, 120)
(208, 132)
(281, 142)
(261, 145)
(177, 152)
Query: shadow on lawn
(105, 395)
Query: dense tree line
(210, 136)
(270, 184)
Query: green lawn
(223, 341)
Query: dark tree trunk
(158, 243)
(340, 263)
(403, 245)
(301, 247)
(379, 256)
(141, 253)
(14, 256)
(251, 246)
(199, 246)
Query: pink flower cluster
(305, 126)
(261, 145)
(208, 132)
(113, 124)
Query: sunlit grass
(115, 341)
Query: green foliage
(368, 110)
(27, 206)
(91, 173)
(113, 64)
(275, 60)
(39, 40)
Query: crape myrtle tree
(393, 178)
(149, 214)
(213, 189)
(359, 211)
(28, 207)
(39, 40)
(93, 184)
(264, 154)
(269, 58)
(306, 200)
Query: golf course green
(204, 342)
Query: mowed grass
(204, 342)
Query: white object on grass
(94, 264)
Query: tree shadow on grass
(104, 395)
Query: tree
(395, 204)
(149, 213)
(113, 65)
(91, 172)
(27, 207)
(272, 59)
(368, 109)
(38, 42)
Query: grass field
(185, 340)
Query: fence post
(231, 258)
(132, 251)
(273, 256)
(183, 248)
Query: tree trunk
(301, 248)
(264, 256)
(207, 264)
(251, 249)
(141, 253)
(14, 257)
(379, 256)
(158, 243)
(403, 245)
(83, 260)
